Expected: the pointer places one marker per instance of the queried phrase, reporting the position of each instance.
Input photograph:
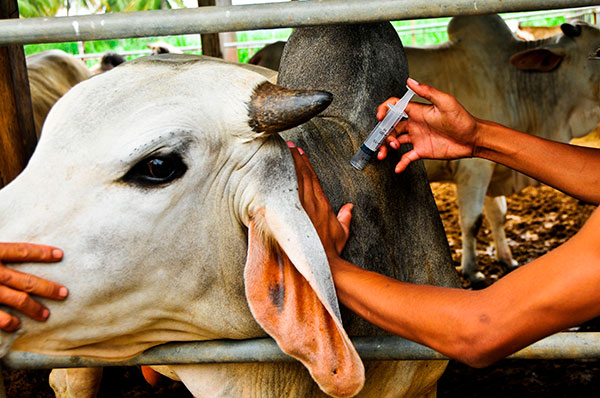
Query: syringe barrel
(380, 132)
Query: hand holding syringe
(381, 132)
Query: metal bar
(248, 17)
(541, 14)
(558, 346)
(417, 29)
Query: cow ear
(273, 108)
(537, 59)
(291, 295)
(571, 30)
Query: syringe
(381, 131)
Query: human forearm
(444, 319)
(553, 292)
(572, 169)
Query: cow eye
(595, 54)
(156, 170)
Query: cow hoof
(510, 262)
(476, 277)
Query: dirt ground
(539, 219)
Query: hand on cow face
(16, 287)
(442, 130)
(332, 230)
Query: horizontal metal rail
(249, 17)
(402, 30)
(558, 346)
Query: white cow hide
(152, 181)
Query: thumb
(345, 217)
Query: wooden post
(210, 41)
(17, 130)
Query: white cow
(134, 279)
(549, 88)
(184, 224)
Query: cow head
(577, 40)
(160, 180)
(571, 58)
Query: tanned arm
(552, 293)
(445, 130)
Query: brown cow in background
(51, 74)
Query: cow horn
(274, 108)
(571, 30)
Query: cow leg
(76, 382)
(472, 180)
(495, 211)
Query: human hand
(333, 231)
(16, 287)
(442, 130)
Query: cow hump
(486, 29)
(361, 65)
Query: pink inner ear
(287, 308)
(540, 60)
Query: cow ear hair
(273, 108)
(291, 295)
(537, 59)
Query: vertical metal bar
(210, 41)
(229, 53)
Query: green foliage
(552, 21)
(244, 54)
(137, 5)
(116, 45)
(422, 36)
(40, 8)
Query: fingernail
(290, 144)
(63, 292)
(301, 151)
(45, 313)
(413, 81)
(394, 145)
(56, 253)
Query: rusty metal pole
(17, 130)
(210, 41)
